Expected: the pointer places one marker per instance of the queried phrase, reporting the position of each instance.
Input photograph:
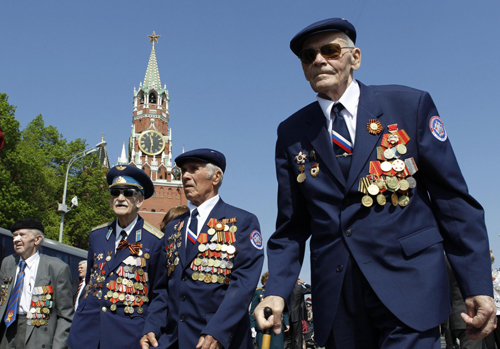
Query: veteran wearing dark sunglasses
(121, 268)
(369, 175)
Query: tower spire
(152, 77)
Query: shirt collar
(349, 100)
(127, 229)
(32, 260)
(206, 207)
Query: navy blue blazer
(94, 322)
(400, 250)
(191, 307)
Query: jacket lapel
(184, 242)
(365, 142)
(318, 135)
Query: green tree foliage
(33, 166)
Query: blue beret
(27, 223)
(206, 155)
(326, 25)
(130, 176)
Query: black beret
(206, 155)
(326, 25)
(27, 223)
(130, 176)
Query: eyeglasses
(126, 192)
(329, 51)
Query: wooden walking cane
(266, 338)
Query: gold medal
(140, 310)
(401, 148)
(201, 277)
(404, 200)
(113, 307)
(208, 278)
(301, 177)
(394, 199)
(367, 201)
(211, 231)
(404, 185)
(381, 200)
(233, 229)
(220, 279)
(146, 255)
(194, 276)
(214, 278)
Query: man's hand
(147, 340)
(206, 341)
(481, 318)
(277, 304)
(287, 328)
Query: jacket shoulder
(153, 230)
(105, 225)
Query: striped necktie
(193, 226)
(342, 144)
(12, 307)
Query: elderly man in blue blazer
(212, 262)
(121, 268)
(368, 173)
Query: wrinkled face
(330, 77)
(26, 242)
(82, 270)
(127, 207)
(197, 187)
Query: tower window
(152, 98)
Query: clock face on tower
(151, 142)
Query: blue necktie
(192, 233)
(11, 312)
(342, 144)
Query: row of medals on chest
(217, 243)
(213, 263)
(129, 288)
(41, 303)
(376, 185)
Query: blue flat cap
(27, 223)
(326, 25)
(123, 176)
(206, 155)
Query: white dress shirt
(30, 272)
(79, 293)
(203, 211)
(350, 101)
(127, 229)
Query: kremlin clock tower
(150, 144)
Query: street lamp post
(62, 207)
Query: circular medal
(108, 258)
(392, 182)
(219, 226)
(401, 148)
(194, 276)
(217, 263)
(211, 262)
(381, 200)
(140, 310)
(380, 182)
(367, 201)
(113, 307)
(386, 166)
(212, 246)
(202, 248)
(404, 200)
(211, 231)
(176, 261)
(233, 229)
(398, 165)
(231, 249)
(218, 247)
(214, 278)
(412, 182)
(404, 185)
(220, 279)
(229, 265)
(389, 153)
(208, 278)
(201, 277)
(301, 177)
(204, 262)
(226, 227)
(373, 189)
(223, 264)
(197, 261)
(394, 199)
(223, 248)
(146, 255)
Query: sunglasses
(329, 51)
(126, 192)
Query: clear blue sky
(232, 78)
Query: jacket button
(348, 232)
(340, 267)
(104, 309)
(183, 318)
(184, 278)
(183, 298)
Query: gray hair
(211, 168)
(38, 232)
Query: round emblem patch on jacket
(437, 128)
(256, 240)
